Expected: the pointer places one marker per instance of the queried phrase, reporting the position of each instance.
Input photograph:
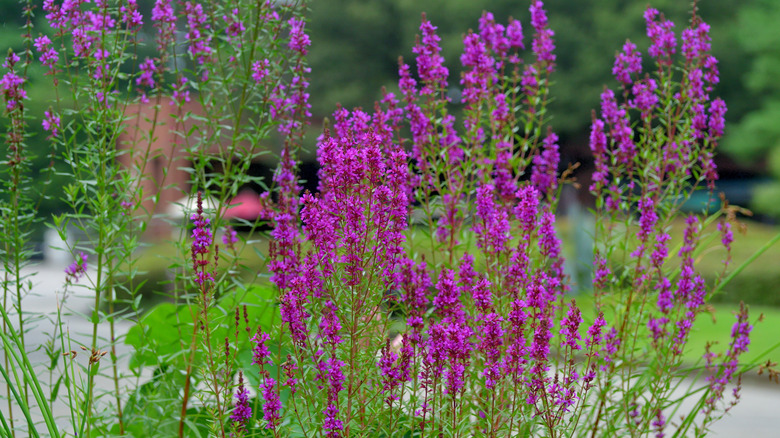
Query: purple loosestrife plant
(483, 341)
(421, 290)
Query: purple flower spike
(242, 412)
(272, 404)
(542, 43)
(260, 353)
(627, 63)
(201, 242)
(544, 173)
(664, 43)
(430, 63)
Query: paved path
(756, 416)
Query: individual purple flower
(49, 55)
(620, 129)
(51, 122)
(610, 347)
(482, 295)
(493, 34)
(660, 251)
(260, 70)
(594, 332)
(645, 98)
(723, 373)
(235, 27)
(77, 269)
(447, 301)
(389, 372)
(241, 412)
(727, 236)
(647, 218)
(627, 63)
(527, 209)
(530, 81)
(147, 70)
(603, 273)
(550, 248)
(130, 15)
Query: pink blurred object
(246, 205)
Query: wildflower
(658, 424)
(299, 41)
(49, 55)
(289, 371)
(235, 27)
(241, 412)
(198, 37)
(51, 122)
(147, 70)
(164, 20)
(514, 34)
(181, 94)
(493, 227)
(430, 63)
(260, 354)
(11, 84)
(230, 237)
(490, 341)
(716, 120)
(598, 146)
(272, 404)
(130, 15)
(77, 269)
(201, 242)
(542, 44)
(543, 175)
(331, 424)
(661, 35)
(645, 98)
(627, 62)
(570, 327)
(695, 41)
(260, 70)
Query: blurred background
(355, 50)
